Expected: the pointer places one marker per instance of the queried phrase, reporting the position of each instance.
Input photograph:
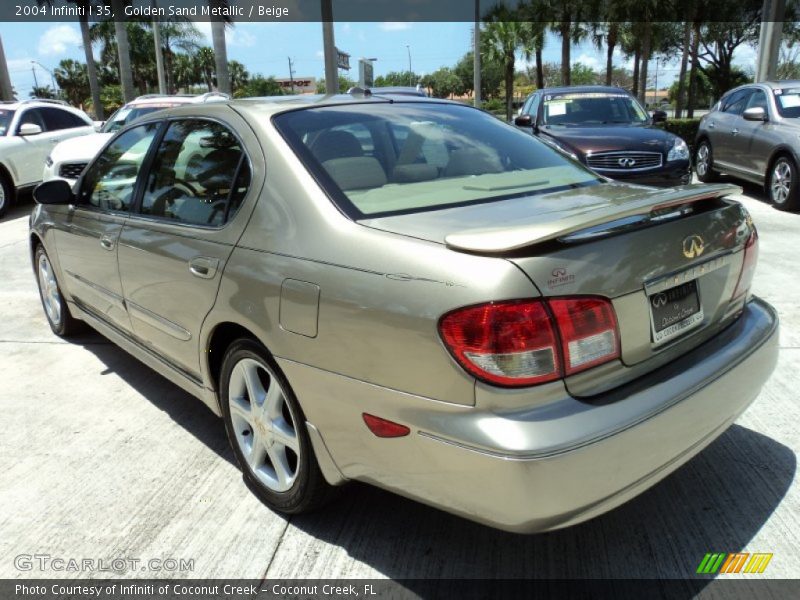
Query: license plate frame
(684, 311)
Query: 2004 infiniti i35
(411, 293)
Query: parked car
(28, 131)
(68, 159)
(607, 129)
(408, 292)
(752, 133)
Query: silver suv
(753, 133)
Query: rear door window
(56, 119)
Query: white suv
(28, 132)
(68, 160)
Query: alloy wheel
(264, 426)
(702, 160)
(51, 298)
(781, 184)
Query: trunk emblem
(693, 246)
(626, 162)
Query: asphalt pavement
(101, 458)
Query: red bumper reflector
(383, 428)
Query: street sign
(365, 79)
(342, 60)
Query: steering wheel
(186, 187)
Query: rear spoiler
(584, 224)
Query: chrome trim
(106, 292)
(159, 322)
(622, 154)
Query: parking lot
(102, 458)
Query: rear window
(128, 114)
(5, 120)
(398, 158)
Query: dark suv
(753, 133)
(608, 130)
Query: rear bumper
(557, 464)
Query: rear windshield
(592, 108)
(5, 120)
(128, 114)
(384, 159)
(788, 102)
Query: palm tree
(218, 25)
(184, 71)
(239, 75)
(502, 39)
(205, 62)
(570, 29)
(181, 36)
(72, 78)
(91, 67)
(123, 51)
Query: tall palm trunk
(509, 77)
(91, 69)
(221, 56)
(693, 72)
(646, 41)
(636, 56)
(679, 101)
(611, 41)
(539, 69)
(6, 91)
(565, 29)
(124, 51)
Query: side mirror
(659, 116)
(55, 191)
(756, 113)
(27, 129)
(523, 121)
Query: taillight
(519, 343)
(588, 328)
(748, 265)
(505, 343)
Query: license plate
(674, 311)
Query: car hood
(507, 225)
(80, 149)
(610, 138)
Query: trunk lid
(632, 244)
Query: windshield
(592, 108)
(788, 102)
(384, 159)
(128, 114)
(5, 120)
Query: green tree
(239, 75)
(582, 74)
(73, 79)
(501, 41)
(443, 83)
(43, 91)
(259, 86)
(345, 83)
(205, 63)
(396, 78)
(491, 75)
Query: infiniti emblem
(626, 162)
(659, 300)
(693, 246)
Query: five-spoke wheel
(782, 184)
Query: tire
(268, 436)
(704, 163)
(55, 307)
(6, 195)
(782, 184)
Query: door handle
(53, 140)
(203, 267)
(106, 242)
(711, 125)
(735, 132)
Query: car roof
(37, 102)
(148, 99)
(582, 89)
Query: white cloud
(237, 36)
(58, 39)
(587, 59)
(320, 54)
(394, 26)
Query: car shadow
(715, 503)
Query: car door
(173, 251)
(28, 157)
(88, 240)
(725, 125)
(753, 144)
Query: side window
(534, 108)
(55, 119)
(758, 100)
(735, 104)
(32, 116)
(193, 179)
(526, 108)
(110, 182)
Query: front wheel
(6, 193)
(55, 308)
(266, 429)
(782, 184)
(703, 163)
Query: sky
(266, 47)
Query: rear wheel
(704, 162)
(55, 307)
(782, 184)
(266, 429)
(6, 194)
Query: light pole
(410, 72)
